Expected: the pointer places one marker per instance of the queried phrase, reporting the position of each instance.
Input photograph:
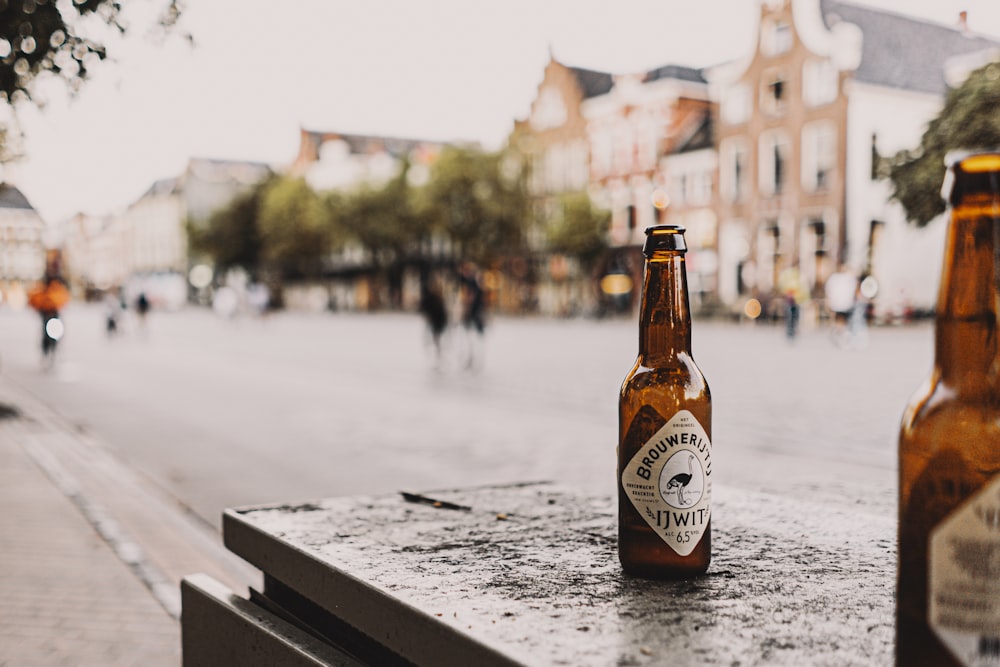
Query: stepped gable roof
(903, 52)
(679, 72)
(592, 82)
(11, 197)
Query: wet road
(227, 413)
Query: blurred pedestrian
(793, 294)
(112, 313)
(48, 299)
(435, 313)
(473, 306)
(858, 324)
(142, 307)
(841, 290)
(259, 298)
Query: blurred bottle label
(964, 579)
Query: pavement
(91, 552)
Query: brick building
(801, 122)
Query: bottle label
(964, 579)
(669, 481)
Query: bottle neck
(967, 355)
(665, 314)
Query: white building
(146, 247)
(22, 245)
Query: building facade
(145, 248)
(772, 162)
(22, 245)
(650, 143)
(802, 121)
(554, 146)
(610, 135)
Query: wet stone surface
(532, 572)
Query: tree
(231, 236)
(478, 203)
(47, 36)
(968, 120)
(580, 231)
(294, 226)
(383, 219)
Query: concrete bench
(528, 575)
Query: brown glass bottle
(665, 428)
(949, 446)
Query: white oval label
(669, 482)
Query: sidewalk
(91, 553)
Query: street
(224, 413)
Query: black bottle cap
(664, 237)
(971, 172)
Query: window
(624, 145)
(736, 104)
(734, 156)
(646, 137)
(820, 82)
(774, 154)
(777, 90)
(782, 38)
(699, 189)
(774, 92)
(818, 228)
(603, 151)
(678, 189)
(776, 37)
(768, 254)
(819, 155)
(779, 168)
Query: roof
(164, 186)
(679, 72)
(11, 197)
(903, 52)
(592, 82)
(361, 144)
(701, 138)
(216, 170)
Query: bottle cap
(664, 237)
(970, 171)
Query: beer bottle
(665, 427)
(948, 595)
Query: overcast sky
(435, 69)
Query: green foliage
(294, 227)
(283, 228)
(231, 236)
(474, 201)
(46, 36)
(382, 219)
(580, 230)
(969, 120)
